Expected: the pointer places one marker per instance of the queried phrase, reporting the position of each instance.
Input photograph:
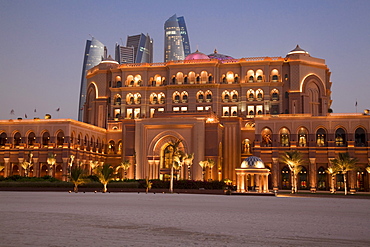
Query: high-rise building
(176, 39)
(138, 49)
(95, 52)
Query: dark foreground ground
(137, 219)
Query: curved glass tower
(94, 54)
(176, 39)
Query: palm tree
(203, 164)
(76, 177)
(105, 175)
(177, 156)
(124, 166)
(332, 172)
(148, 185)
(210, 163)
(344, 163)
(188, 161)
(294, 160)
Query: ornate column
(275, 174)
(21, 170)
(6, 167)
(258, 182)
(36, 167)
(65, 168)
(313, 174)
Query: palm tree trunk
(75, 188)
(171, 180)
(292, 182)
(332, 184)
(105, 188)
(345, 183)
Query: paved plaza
(130, 219)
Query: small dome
(196, 55)
(216, 55)
(298, 50)
(252, 162)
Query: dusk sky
(42, 42)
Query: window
(3, 139)
(284, 137)
(340, 138)
(321, 138)
(302, 137)
(360, 137)
(200, 96)
(321, 178)
(208, 96)
(266, 138)
(274, 78)
(259, 78)
(45, 138)
(60, 138)
(251, 78)
(303, 178)
(31, 138)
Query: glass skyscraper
(95, 52)
(176, 39)
(138, 49)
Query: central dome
(196, 56)
(252, 162)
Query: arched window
(360, 137)
(17, 139)
(259, 78)
(3, 139)
(230, 77)
(259, 95)
(137, 98)
(208, 96)
(129, 99)
(153, 98)
(185, 80)
(184, 97)
(234, 97)
(111, 147)
(274, 95)
(321, 137)
(259, 112)
(251, 78)
(60, 138)
(31, 139)
(321, 178)
(302, 137)
(117, 100)
(45, 138)
(191, 76)
(284, 137)
(119, 150)
(250, 94)
(176, 97)
(162, 98)
(210, 79)
(200, 96)
(340, 138)
(274, 78)
(266, 138)
(203, 76)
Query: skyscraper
(95, 52)
(138, 49)
(176, 39)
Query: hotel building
(221, 108)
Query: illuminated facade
(223, 109)
(176, 39)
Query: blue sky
(42, 42)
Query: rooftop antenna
(91, 36)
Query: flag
(12, 112)
(356, 103)
(34, 110)
(58, 109)
(25, 115)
